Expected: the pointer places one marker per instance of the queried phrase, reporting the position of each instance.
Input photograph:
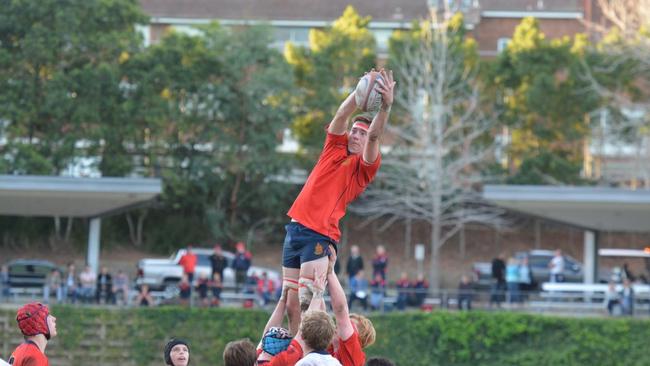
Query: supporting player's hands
(320, 282)
(285, 294)
(332, 259)
(386, 85)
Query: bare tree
(625, 46)
(431, 172)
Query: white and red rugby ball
(366, 94)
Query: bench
(587, 291)
(585, 296)
(16, 293)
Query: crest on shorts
(319, 249)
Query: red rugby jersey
(288, 357)
(28, 354)
(349, 352)
(336, 180)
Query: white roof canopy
(593, 208)
(73, 197)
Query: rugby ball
(366, 94)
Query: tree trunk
(434, 270)
(141, 218)
(234, 199)
(57, 227)
(136, 228)
(408, 234)
(68, 230)
(461, 241)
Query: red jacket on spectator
(188, 261)
(265, 285)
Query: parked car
(164, 274)
(538, 260)
(29, 272)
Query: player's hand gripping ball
(367, 95)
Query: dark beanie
(168, 349)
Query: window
(502, 43)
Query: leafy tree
(545, 103)
(618, 70)
(59, 97)
(435, 162)
(327, 71)
(58, 65)
(220, 102)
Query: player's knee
(305, 294)
(305, 299)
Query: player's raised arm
(339, 305)
(385, 85)
(339, 124)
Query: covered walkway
(592, 209)
(91, 198)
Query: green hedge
(136, 337)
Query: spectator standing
(380, 262)
(218, 261)
(88, 284)
(420, 289)
(358, 290)
(403, 288)
(188, 262)
(265, 288)
(70, 284)
(4, 282)
(498, 280)
(557, 267)
(216, 287)
(512, 280)
(121, 287)
(53, 286)
(355, 262)
(241, 264)
(612, 300)
(627, 297)
(104, 287)
(526, 282)
(465, 293)
(377, 292)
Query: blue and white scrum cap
(276, 340)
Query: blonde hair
(365, 329)
(317, 329)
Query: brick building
(491, 22)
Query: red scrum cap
(32, 319)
